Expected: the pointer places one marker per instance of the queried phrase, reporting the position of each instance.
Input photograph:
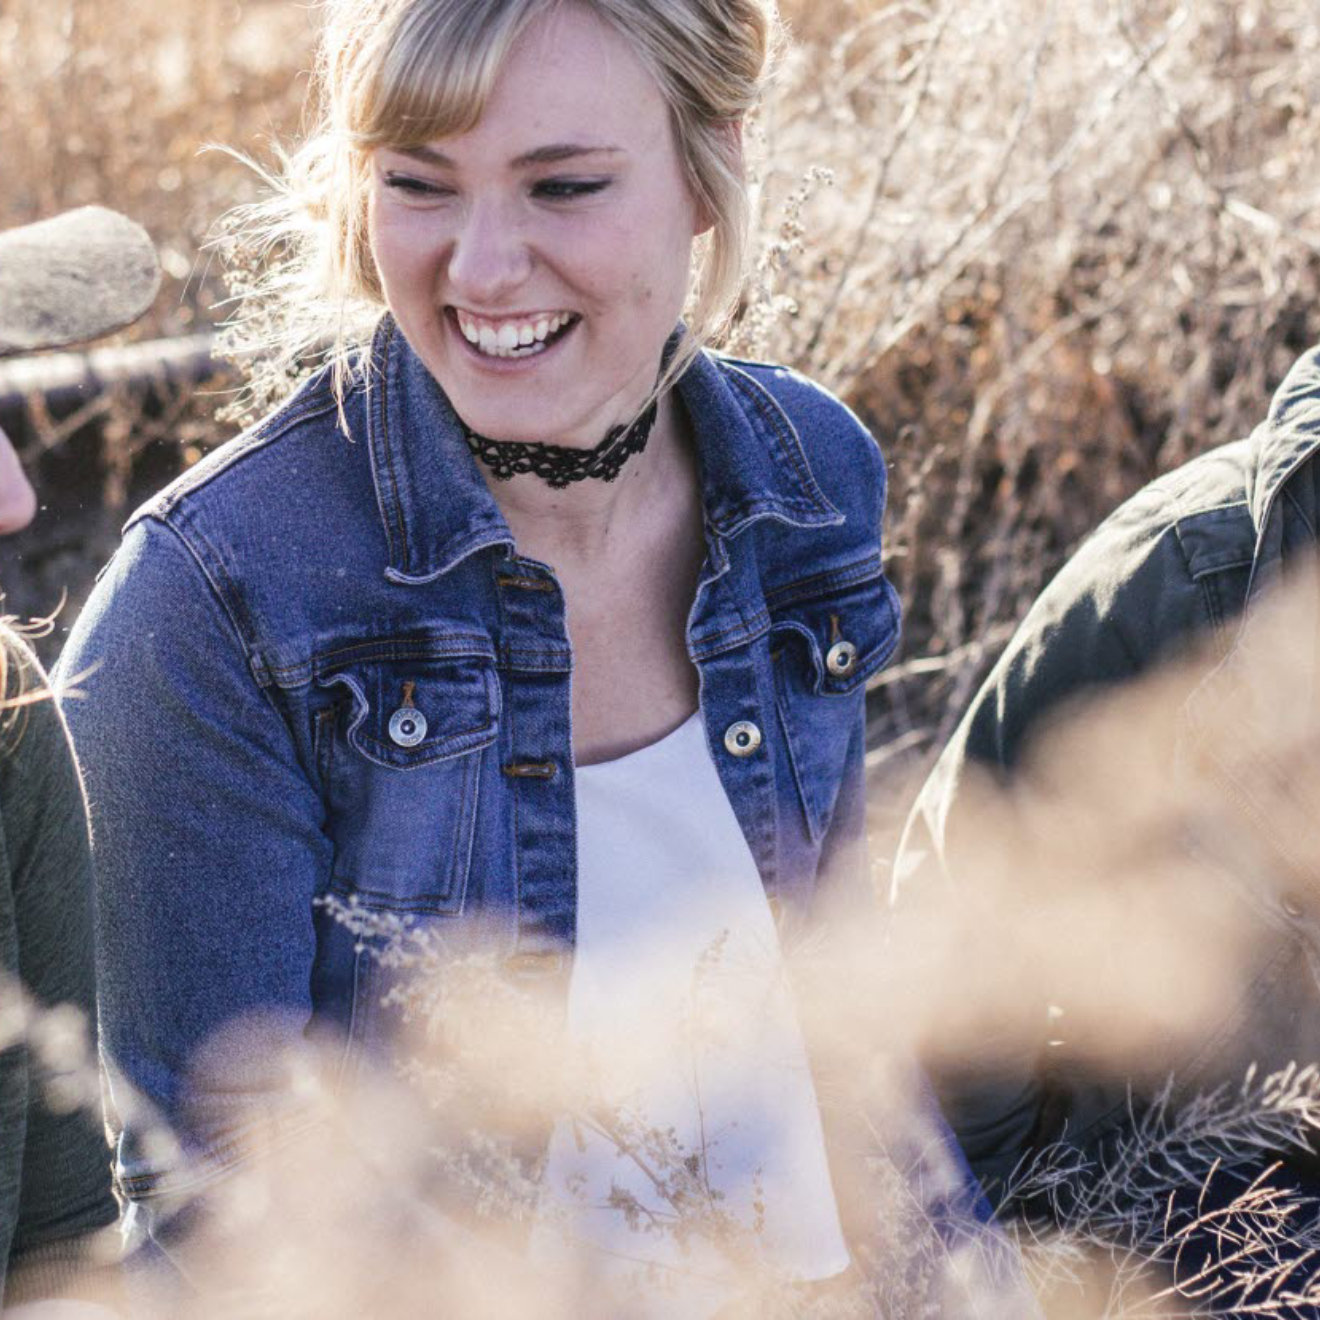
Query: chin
(494, 425)
(522, 416)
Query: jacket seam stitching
(384, 649)
(789, 444)
(472, 646)
(220, 596)
(1299, 511)
(509, 656)
(348, 886)
(1210, 601)
(758, 623)
(1178, 522)
(1131, 652)
(516, 849)
(244, 448)
(850, 575)
(382, 412)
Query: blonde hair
(401, 73)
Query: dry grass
(1067, 245)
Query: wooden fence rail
(64, 379)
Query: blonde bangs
(435, 73)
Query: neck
(582, 520)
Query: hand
(18, 501)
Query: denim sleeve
(63, 1191)
(208, 852)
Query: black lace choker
(557, 465)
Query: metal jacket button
(407, 726)
(742, 738)
(841, 659)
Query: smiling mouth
(516, 337)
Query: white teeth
(511, 339)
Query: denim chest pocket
(826, 641)
(399, 747)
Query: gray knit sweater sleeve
(54, 1164)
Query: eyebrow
(548, 155)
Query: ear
(731, 147)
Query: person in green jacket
(64, 280)
(1183, 569)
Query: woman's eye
(565, 190)
(414, 187)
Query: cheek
(662, 285)
(652, 270)
(398, 250)
(389, 257)
(643, 291)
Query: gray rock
(76, 276)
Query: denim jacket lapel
(437, 510)
(434, 504)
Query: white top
(679, 1002)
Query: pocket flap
(847, 636)
(416, 701)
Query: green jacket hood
(1283, 478)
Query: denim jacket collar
(437, 510)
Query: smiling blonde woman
(565, 643)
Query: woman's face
(18, 501)
(538, 262)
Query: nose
(490, 257)
(18, 501)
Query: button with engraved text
(742, 738)
(841, 659)
(407, 726)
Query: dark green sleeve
(1128, 598)
(65, 1189)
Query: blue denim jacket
(268, 614)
